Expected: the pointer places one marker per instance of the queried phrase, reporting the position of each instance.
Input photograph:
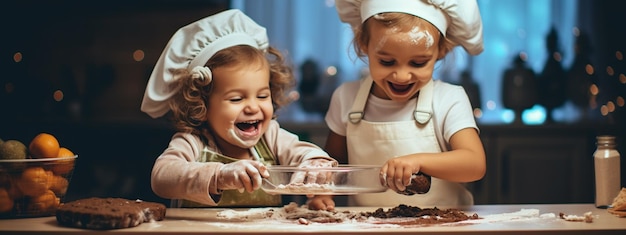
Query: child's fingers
(298, 177)
(252, 180)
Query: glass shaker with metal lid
(607, 171)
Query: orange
(50, 177)
(5, 179)
(44, 202)
(66, 165)
(33, 182)
(13, 189)
(44, 145)
(58, 185)
(6, 203)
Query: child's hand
(396, 173)
(241, 175)
(321, 202)
(309, 177)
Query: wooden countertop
(204, 221)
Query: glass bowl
(34, 187)
(340, 180)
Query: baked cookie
(108, 213)
(618, 207)
(619, 203)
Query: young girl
(400, 117)
(222, 82)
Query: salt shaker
(607, 171)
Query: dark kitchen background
(78, 69)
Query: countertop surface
(496, 219)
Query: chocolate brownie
(108, 213)
(422, 215)
(420, 184)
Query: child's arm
(336, 147)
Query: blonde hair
(402, 21)
(190, 104)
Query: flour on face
(416, 35)
(240, 142)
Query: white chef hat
(459, 20)
(191, 47)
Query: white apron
(373, 143)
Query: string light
(610, 71)
(478, 113)
(611, 106)
(57, 95)
(620, 101)
(604, 110)
(593, 89)
(491, 105)
(17, 57)
(331, 70)
(138, 55)
(589, 69)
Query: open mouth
(400, 89)
(248, 128)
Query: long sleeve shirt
(178, 174)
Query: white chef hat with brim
(191, 47)
(458, 20)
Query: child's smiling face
(401, 60)
(240, 105)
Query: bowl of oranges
(35, 177)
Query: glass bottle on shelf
(607, 171)
(552, 83)
(519, 88)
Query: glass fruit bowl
(340, 180)
(33, 187)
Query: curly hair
(190, 104)
(402, 20)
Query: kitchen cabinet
(541, 164)
(536, 165)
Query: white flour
(416, 35)
(288, 218)
(521, 215)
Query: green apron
(233, 198)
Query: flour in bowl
(300, 188)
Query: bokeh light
(138, 55)
(17, 57)
(57, 95)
